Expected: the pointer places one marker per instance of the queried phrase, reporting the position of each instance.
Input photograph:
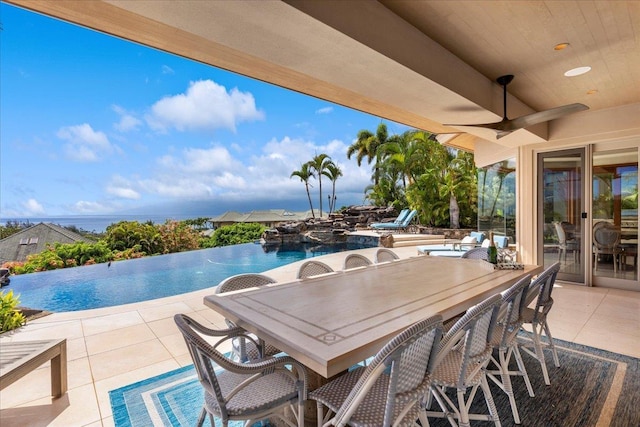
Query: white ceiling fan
(506, 125)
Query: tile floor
(112, 347)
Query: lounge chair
(393, 225)
(471, 241)
(401, 216)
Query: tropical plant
(368, 145)
(387, 192)
(201, 223)
(12, 227)
(80, 253)
(319, 164)
(234, 234)
(333, 172)
(10, 317)
(305, 173)
(177, 236)
(132, 234)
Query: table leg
(59, 372)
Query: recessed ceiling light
(577, 71)
(561, 46)
(592, 91)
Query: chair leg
(320, 414)
(523, 369)
(506, 382)
(489, 400)
(203, 415)
(462, 407)
(540, 353)
(547, 331)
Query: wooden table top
(333, 321)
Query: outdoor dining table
(333, 321)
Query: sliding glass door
(561, 212)
(615, 218)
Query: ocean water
(123, 282)
(96, 223)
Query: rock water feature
(336, 228)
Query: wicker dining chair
(536, 317)
(385, 255)
(389, 390)
(313, 268)
(476, 253)
(504, 341)
(242, 349)
(355, 260)
(460, 364)
(251, 391)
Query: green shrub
(234, 234)
(10, 318)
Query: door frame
(581, 152)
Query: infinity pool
(124, 282)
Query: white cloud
(205, 106)
(32, 208)
(85, 207)
(122, 188)
(167, 70)
(181, 189)
(215, 174)
(325, 110)
(83, 143)
(128, 122)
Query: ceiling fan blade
(506, 126)
(542, 116)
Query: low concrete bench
(17, 359)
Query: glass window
(497, 199)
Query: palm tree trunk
(454, 212)
(313, 215)
(320, 188)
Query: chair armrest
(264, 367)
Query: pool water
(124, 282)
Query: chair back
(476, 253)
(471, 336)
(313, 268)
(243, 281)
(562, 236)
(241, 390)
(242, 348)
(409, 360)
(510, 314)
(356, 260)
(205, 355)
(541, 288)
(401, 216)
(385, 255)
(407, 220)
(606, 237)
(479, 235)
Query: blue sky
(91, 124)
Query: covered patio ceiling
(420, 63)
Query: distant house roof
(34, 240)
(266, 216)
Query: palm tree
(408, 155)
(333, 172)
(305, 173)
(318, 165)
(368, 145)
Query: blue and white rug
(174, 398)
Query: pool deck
(115, 346)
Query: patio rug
(591, 388)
